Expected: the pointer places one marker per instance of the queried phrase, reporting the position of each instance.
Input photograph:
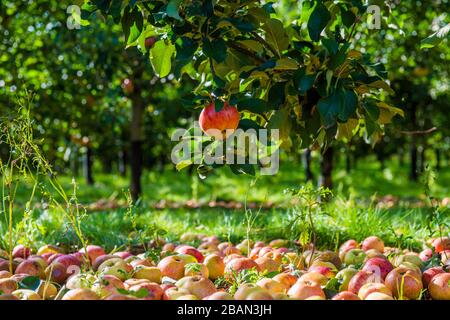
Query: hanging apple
(219, 125)
(149, 42)
(127, 86)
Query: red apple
(149, 42)
(346, 295)
(80, 294)
(172, 267)
(220, 124)
(93, 252)
(191, 251)
(439, 287)
(404, 283)
(379, 266)
(373, 243)
(441, 244)
(360, 279)
(127, 86)
(56, 272)
(429, 274)
(240, 264)
(305, 289)
(8, 286)
(426, 255)
(20, 251)
(32, 268)
(199, 286)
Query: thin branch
(419, 132)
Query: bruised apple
(199, 286)
(404, 283)
(219, 125)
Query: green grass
(349, 215)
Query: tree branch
(265, 44)
(419, 132)
(245, 51)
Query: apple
(141, 263)
(372, 253)
(123, 254)
(264, 250)
(8, 297)
(196, 269)
(426, 254)
(326, 268)
(346, 246)
(215, 265)
(69, 261)
(93, 252)
(409, 258)
(230, 250)
(345, 295)
(260, 294)
(373, 242)
(107, 285)
(344, 276)
(354, 257)
(80, 294)
(198, 286)
(53, 257)
(172, 267)
(244, 290)
(5, 274)
(239, 264)
(314, 276)
(286, 279)
(439, 287)
(441, 244)
(127, 86)
(49, 249)
(47, 290)
(149, 42)
(379, 266)
(8, 286)
(330, 256)
(188, 297)
(220, 295)
(271, 285)
(278, 243)
(230, 257)
(20, 251)
(155, 292)
(132, 282)
(428, 274)
(191, 251)
(175, 292)
(25, 294)
(80, 281)
(360, 279)
(445, 256)
(220, 124)
(32, 268)
(100, 259)
(118, 296)
(305, 289)
(153, 274)
(116, 267)
(369, 288)
(56, 272)
(267, 265)
(404, 282)
(379, 296)
(168, 247)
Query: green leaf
(253, 105)
(216, 49)
(30, 283)
(329, 109)
(276, 95)
(183, 164)
(302, 81)
(276, 35)
(172, 9)
(317, 21)
(331, 45)
(161, 56)
(436, 38)
(286, 64)
(349, 101)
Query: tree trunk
(88, 163)
(413, 174)
(307, 162)
(107, 166)
(137, 137)
(326, 169)
(438, 159)
(122, 163)
(348, 161)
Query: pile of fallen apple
(222, 271)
